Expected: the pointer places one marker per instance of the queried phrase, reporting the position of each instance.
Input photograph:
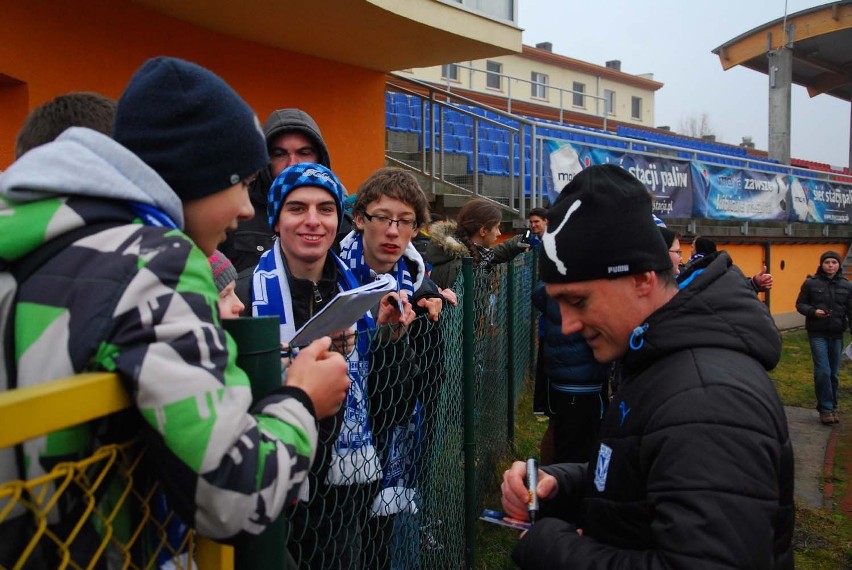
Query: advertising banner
(726, 193)
(693, 189)
(819, 201)
(668, 180)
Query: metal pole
(468, 395)
(510, 362)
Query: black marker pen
(532, 483)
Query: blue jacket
(568, 361)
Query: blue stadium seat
(466, 145)
(499, 165)
(401, 108)
(403, 122)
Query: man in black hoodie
(695, 466)
(292, 136)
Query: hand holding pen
(532, 485)
(515, 490)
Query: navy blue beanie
(187, 124)
(297, 176)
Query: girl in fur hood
(474, 234)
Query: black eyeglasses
(384, 221)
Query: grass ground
(823, 538)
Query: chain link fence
(402, 496)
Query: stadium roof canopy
(821, 40)
(383, 35)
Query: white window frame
(609, 101)
(493, 75)
(578, 97)
(450, 71)
(538, 87)
(636, 107)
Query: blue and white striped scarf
(352, 254)
(400, 457)
(354, 458)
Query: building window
(636, 107)
(539, 85)
(609, 100)
(450, 71)
(579, 98)
(493, 79)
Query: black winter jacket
(832, 294)
(695, 469)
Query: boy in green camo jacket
(137, 298)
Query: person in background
(225, 278)
(77, 109)
(695, 463)
(703, 247)
(538, 225)
(151, 205)
(825, 299)
(292, 137)
(672, 239)
(575, 388)
(474, 233)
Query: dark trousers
(575, 423)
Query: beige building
(538, 81)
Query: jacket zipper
(317, 297)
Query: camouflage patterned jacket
(139, 300)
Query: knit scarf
(352, 254)
(354, 458)
(486, 256)
(400, 455)
(401, 465)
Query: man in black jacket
(826, 301)
(695, 465)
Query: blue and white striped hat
(297, 176)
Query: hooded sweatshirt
(253, 237)
(138, 299)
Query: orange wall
(789, 264)
(53, 47)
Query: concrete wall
(789, 264)
(50, 48)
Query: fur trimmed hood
(442, 235)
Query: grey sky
(673, 40)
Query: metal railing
(511, 79)
(432, 155)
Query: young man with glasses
(297, 277)
(388, 211)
